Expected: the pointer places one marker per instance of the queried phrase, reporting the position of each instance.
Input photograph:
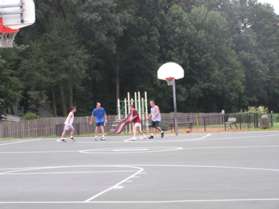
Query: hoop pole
(118, 109)
(174, 107)
(129, 109)
(146, 110)
(139, 104)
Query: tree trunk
(71, 94)
(117, 78)
(63, 102)
(54, 109)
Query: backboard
(17, 14)
(170, 71)
(14, 14)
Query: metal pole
(146, 110)
(118, 109)
(174, 107)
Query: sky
(275, 4)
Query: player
(155, 116)
(135, 119)
(100, 116)
(68, 125)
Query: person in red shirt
(136, 120)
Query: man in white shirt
(155, 116)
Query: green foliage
(30, 116)
(259, 110)
(80, 52)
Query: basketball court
(228, 170)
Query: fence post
(1, 130)
(271, 118)
(256, 120)
(204, 123)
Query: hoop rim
(4, 29)
(169, 78)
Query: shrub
(30, 116)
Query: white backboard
(17, 13)
(170, 70)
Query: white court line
(66, 172)
(229, 137)
(200, 138)
(41, 152)
(232, 147)
(133, 150)
(24, 169)
(20, 142)
(90, 200)
(145, 150)
(164, 140)
(145, 201)
(208, 166)
(116, 185)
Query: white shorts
(137, 125)
(68, 127)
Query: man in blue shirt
(100, 116)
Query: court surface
(197, 171)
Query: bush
(259, 110)
(30, 116)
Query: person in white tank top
(155, 116)
(68, 125)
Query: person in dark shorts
(155, 116)
(100, 116)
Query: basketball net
(170, 81)
(7, 35)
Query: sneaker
(133, 139)
(151, 137)
(61, 140)
(103, 138)
(143, 137)
(162, 134)
(96, 138)
(72, 138)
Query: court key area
(197, 171)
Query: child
(135, 119)
(68, 125)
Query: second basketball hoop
(14, 15)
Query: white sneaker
(133, 139)
(143, 137)
(61, 140)
(130, 139)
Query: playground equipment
(141, 104)
(14, 15)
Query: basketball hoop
(170, 72)
(7, 35)
(14, 15)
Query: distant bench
(230, 122)
(187, 124)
